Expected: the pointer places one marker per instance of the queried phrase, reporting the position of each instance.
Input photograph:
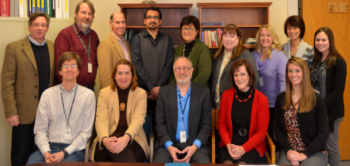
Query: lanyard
(64, 109)
(87, 51)
(182, 111)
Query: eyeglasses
(185, 69)
(154, 17)
(69, 66)
(38, 25)
(188, 29)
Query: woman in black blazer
(328, 78)
(300, 120)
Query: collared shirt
(35, 42)
(67, 40)
(225, 60)
(51, 121)
(85, 32)
(183, 109)
(152, 58)
(122, 44)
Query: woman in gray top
(231, 49)
(294, 28)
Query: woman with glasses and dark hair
(195, 50)
(294, 28)
(231, 49)
(243, 118)
(300, 119)
(328, 76)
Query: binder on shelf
(65, 8)
(29, 7)
(37, 9)
(16, 8)
(25, 8)
(21, 8)
(42, 6)
(12, 8)
(59, 9)
(53, 13)
(33, 6)
(48, 7)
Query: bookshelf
(172, 16)
(249, 17)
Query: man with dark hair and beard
(152, 54)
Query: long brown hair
(237, 51)
(276, 44)
(307, 99)
(133, 84)
(333, 53)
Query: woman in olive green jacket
(195, 50)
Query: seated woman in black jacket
(301, 124)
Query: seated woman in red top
(243, 118)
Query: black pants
(22, 144)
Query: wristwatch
(65, 153)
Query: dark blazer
(200, 117)
(312, 125)
(335, 86)
(225, 76)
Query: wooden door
(315, 14)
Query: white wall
(16, 29)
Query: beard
(86, 25)
(178, 80)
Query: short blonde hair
(276, 44)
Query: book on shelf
(250, 41)
(5, 8)
(42, 6)
(212, 23)
(211, 38)
(21, 8)
(33, 6)
(48, 7)
(29, 8)
(38, 8)
(130, 33)
(16, 11)
(12, 8)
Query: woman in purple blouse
(271, 63)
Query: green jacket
(201, 61)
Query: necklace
(245, 100)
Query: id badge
(89, 67)
(182, 136)
(261, 81)
(67, 134)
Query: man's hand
(153, 94)
(294, 162)
(172, 150)
(190, 150)
(48, 157)
(13, 120)
(121, 143)
(58, 157)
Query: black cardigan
(313, 126)
(335, 85)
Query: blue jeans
(37, 157)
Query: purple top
(271, 75)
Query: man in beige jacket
(112, 49)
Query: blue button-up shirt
(183, 109)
